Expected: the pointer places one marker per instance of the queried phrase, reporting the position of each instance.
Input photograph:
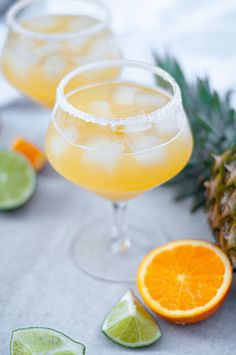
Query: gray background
(39, 283)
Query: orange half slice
(185, 281)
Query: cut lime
(17, 180)
(43, 341)
(130, 324)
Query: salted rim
(154, 116)
(13, 23)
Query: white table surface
(40, 285)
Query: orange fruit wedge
(35, 155)
(185, 281)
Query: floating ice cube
(136, 127)
(168, 127)
(141, 142)
(77, 25)
(21, 57)
(101, 108)
(71, 133)
(146, 150)
(49, 49)
(23, 46)
(124, 96)
(18, 66)
(103, 151)
(57, 145)
(54, 67)
(81, 23)
(43, 23)
(150, 100)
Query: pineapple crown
(213, 123)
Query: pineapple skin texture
(221, 202)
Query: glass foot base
(95, 251)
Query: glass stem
(119, 230)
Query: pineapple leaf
(213, 123)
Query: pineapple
(210, 176)
(221, 201)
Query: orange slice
(185, 281)
(31, 151)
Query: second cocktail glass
(49, 38)
(120, 134)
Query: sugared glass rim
(165, 111)
(14, 24)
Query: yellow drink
(36, 63)
(122, 161)
(118, 136)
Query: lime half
(43, 341)
(17, 180)
(130, 324)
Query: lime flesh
(43, 341)
(130, 324)
(17, 180)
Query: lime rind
(40, 340)
(17, 180)
(130, 324)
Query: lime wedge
(130, 324)
(17, 180)
(43, 341)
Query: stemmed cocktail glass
(49, 38)
(120, 133)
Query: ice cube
(43, 23)
(57, 145)
(100, 108)
(124, 96)
(81, 24)
(54, 67)
(168, 127)
(150, 100)
(23, 46)
(103, 151)
(49, 49)
(71, 133)
(136, 127)
(22, 58)
(146, 149)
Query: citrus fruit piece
(35, 155)
(185, 281)
(130, 324)
(17, 180)
(32, 341)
